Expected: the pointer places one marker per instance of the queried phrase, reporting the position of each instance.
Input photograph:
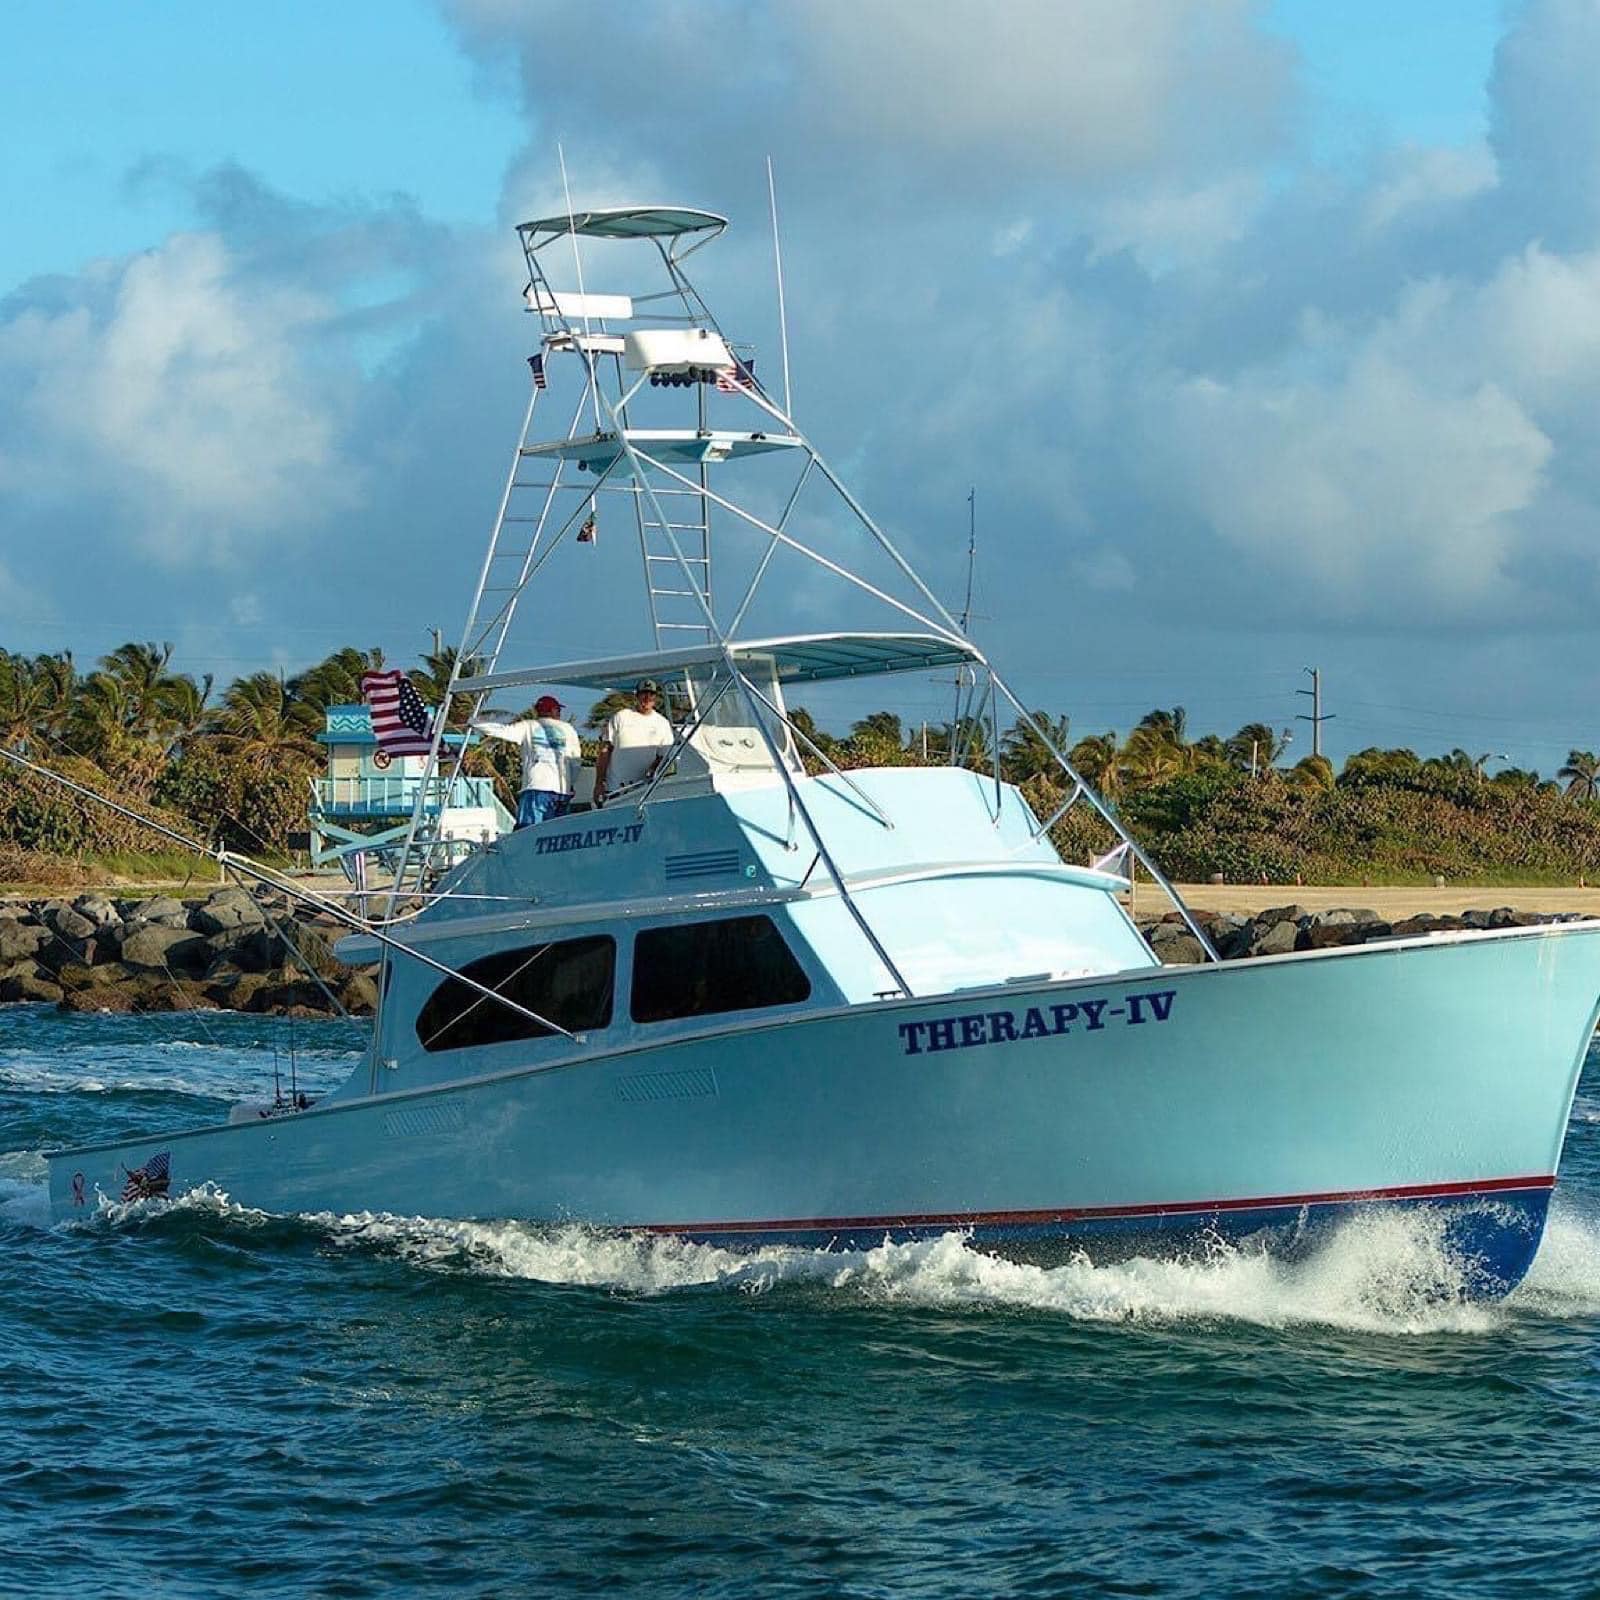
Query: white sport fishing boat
(761, 999)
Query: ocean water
(201, 1400)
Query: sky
(1267, 331)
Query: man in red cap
(551, 757)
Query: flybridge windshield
(728, 735)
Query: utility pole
(1317, 718)
(438, 642)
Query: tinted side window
(569, 982)
(702, 968)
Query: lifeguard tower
(363, 806)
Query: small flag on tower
(537, 364)
(399, 718)
(740, 378)
(587, 532)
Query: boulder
(358, 994)
(315, 944)
(97, 909)
(160, 911)
(57, 952)
(1294, 914)
(101, 997)
(157, 948)
(75, 975)
(1276, 940)
(236, 993)
(1325, 935)
(1184, 951)
(61, 919)
(226, 910)
(1230, 934)
(302, 998)
(1410, 927)
(244, 949)
(25, 981)
(1340, 916)
(19, 941)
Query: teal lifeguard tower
(365, 801)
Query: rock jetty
(1285, 928)
(217, 953)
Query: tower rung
(691, 627)
(685, 594)
(702, 560)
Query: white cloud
(181, 387)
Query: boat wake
(1386, 1272)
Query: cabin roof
(801, 658)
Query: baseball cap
(546, 705)
(647, 686)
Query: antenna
(777, 263)
(966, 606)
(577, 261)
(972, 553)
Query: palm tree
(1098, 759)
(1255, 747)
(433, 678)
(35, 696)
(183, 705)
(1582, 773)
(336, 679)
(1024, 754)
(262, 721)
(1311, 772)
(1375, 765)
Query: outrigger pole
(272, 880)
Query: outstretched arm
(509, 731)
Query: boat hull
(1167, 1106)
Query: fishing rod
(262, 875)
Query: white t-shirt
(551, 754)
(636, 739)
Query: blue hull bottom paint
(1492, 1230)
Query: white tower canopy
(626, 222)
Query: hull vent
(692, 1083)
(702, 864)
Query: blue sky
(1291, 311)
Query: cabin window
(569, 982)
(700, 968)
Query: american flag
(399, 718)
(150, 1180)
(587, 532)
(537, 363)
(740, 378)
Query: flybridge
(662, 421)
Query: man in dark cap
(633, 743)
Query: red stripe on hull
(959, 1219)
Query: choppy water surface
(197, 1399)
